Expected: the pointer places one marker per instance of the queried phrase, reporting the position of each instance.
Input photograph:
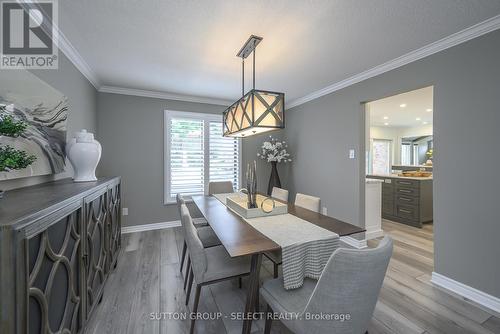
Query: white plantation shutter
(186, 156)
(224, 156)
(196, 153)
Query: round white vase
(84, 153)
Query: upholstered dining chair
(308, 202)
(348, 286)
(208, 265)
(207, 236)
(220, 187)
(281, 194)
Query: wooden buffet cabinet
(59, 241)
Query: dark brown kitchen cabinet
(58, 243)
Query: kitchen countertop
(396, 176)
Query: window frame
(207, 118)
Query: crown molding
(162, 95)
(74, 56)
(460, 37)
(64, 45)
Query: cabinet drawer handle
(405, 182)
(405, 199)
(405, 211)
(405, 191)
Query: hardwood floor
(146, 290)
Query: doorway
(399, 147)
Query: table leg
(253, 290)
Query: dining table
(239, 238)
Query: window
(381, 163)
(415, 155)
(406, 154)
(196, 153)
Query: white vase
(84, 153)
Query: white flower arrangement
(274, 150)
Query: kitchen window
(196, 153)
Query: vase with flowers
(275, 152)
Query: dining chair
(205, 232)
(220, 187)
(308, 202)
(208, 265)
(348, 286)
(281, 194)
(304, 201)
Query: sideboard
(59, 241)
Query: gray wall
(82, 98)
(130, 130)
(131, 133)
(466, 81)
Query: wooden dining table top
(240, 238)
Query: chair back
(220, 187)
(280, 194)
(195, 247)
(180, 201)
(350, 284)
(308, 202)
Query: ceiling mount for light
(257, 111)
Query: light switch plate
(352, 154)
(124, 211)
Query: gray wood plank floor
(147, 280)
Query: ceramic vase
(84, 153)
(274, 178)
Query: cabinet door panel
(96, 253)
(113, 223)
(54, 289)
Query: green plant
(12, 159)
(10, 127)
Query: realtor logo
(28, 38)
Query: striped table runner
(306, 247)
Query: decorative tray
(239, 204)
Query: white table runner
(306, 247)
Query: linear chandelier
(257, 111)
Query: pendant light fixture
(257, 111)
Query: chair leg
(184, 248)
(275, 270)
(240, 283)
(190, 284)
(269, 320)
(188, 268)
(195, 306)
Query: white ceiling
(409, 109)
(189, 47)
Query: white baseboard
(150, 227)
(475, 295)
(359, 244)
(374, 234)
